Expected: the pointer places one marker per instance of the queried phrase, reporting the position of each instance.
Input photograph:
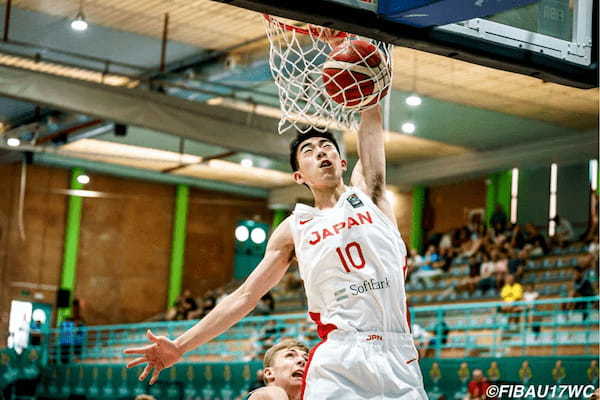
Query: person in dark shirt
(498, 220)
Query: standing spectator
(498, 220)
(581, 288)
(564, 231)
(516, 265)
(530, 296)
(478, 386)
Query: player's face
(319, 163)
(287, 369)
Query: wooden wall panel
(37, 259)
(209, 248)
(125, 245)
(451, 203)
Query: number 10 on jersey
(352, 254)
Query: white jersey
(351, 258)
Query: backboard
(553, 40)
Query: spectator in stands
(72, 334)
(517, 238)
(427, 265)
(422, 340)
(498, 220)
(516, 265)
(536, 240)
(511, 292)
(531, 295)
(283, 368)
(487, 279)
(266, 305)
(478, 386)
(563, 233)
(581, 288)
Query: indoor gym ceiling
(207, 25)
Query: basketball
(356, 75)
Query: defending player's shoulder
(269, 393)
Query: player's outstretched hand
(161, 354)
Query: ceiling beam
(563, 149)
(236, 130)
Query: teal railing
(479, 329)
(543, 327)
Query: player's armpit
(269, 393)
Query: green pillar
(68, 275)
(278, 217)
(178, 243)
(418, 205)
(498, 192)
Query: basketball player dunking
(351, 258)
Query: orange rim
(303, 31)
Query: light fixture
(413, 100)
(246, 162)
(408, 127)
(13, 142)
(258, 235)
(83, 179)
(79, 23)
(242, 233)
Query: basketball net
(297, 57)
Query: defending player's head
(315, 159)
(284, 365)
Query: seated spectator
(478, 386)
(511, 292)
(531, 295)
(487, 279)
(517, 239)
(563, 233)
(516, 265)
(581, 288)
(536, 240)
(426, 269)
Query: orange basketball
(355, 74)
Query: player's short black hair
(301, 137)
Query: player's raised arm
(369, 172)
(163, 352)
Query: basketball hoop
(310, 98)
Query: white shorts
(365, 365)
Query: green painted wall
(68, 277)
(498, 192)
(418, 205)
(182, 194)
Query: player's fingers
(155, 376)
(137, 361)
(145, 372)
(151, 336)
(138, 350)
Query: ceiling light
(13, 142)
(246, 162)
(79, 23)
(408, 127)
(83, 179)
(413, 100)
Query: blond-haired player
(283, 369)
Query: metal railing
(475, 329)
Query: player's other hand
(161, 354)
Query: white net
(325, 77)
